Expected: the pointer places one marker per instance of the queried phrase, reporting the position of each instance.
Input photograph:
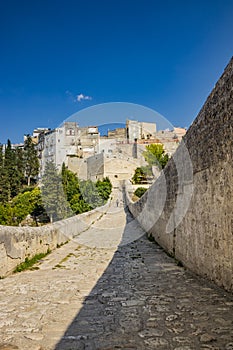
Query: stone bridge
(110, 287)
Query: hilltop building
(66, 141)
(139, 130)
(119, 134)
(91, 156)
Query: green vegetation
(64, 194)
(139, 192)
(61, 244)
(141, 175)
(28, 202)
(30, 160)
(53, 194)
(83, 196)
(18, 167)
(155, 156)
(28, 263)
(60, 195)
(60, 265)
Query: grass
(58, 266)
(28, 263)
(60, 245)
(67, 257)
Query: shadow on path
(144, 300)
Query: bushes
(61, 196)
(26, 203)
(139, 192)
(155, 155)
(142, 175)
(104, 188)
(83, 195)
(6, 214)
(22, 205)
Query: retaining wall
(17, 243)
(189, 209)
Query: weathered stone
(96, 302)
(151, 332)
(188, 210)
(157, 343)
(206, 338)
(8, 347)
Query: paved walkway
(91, 294)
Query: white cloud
(81, 97)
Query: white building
(67, 141)
(55, 145)
(139, 130)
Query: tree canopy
(53, 194)
(60, 194)
(30, 160)
(156, 155)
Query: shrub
(139, 192)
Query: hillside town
(93, 156)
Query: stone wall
(95, 167)
(188, 210)
(17, 243)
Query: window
(70, 132)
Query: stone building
(66, 143)
(139, 130)
(118, 133)
(57, 144)
(88, 140)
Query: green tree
(12, 184)
(53, 196)
(31, 162)
(84, 195)
(141, 175)
(20, 165)
(104, 188)
(25, 203)
(1, 157)
(78, 205)
(139, 192)
(90, 194)
(155, 155)
(6, 214)
(70, 183)
(4, 184)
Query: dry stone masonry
(203, 241)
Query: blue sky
(165, 55)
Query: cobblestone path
(90, 294)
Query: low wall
(17, 243)
(188, 210)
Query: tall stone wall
(189, 209)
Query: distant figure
(117, 202)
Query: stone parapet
(17, 243)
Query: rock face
(188, 210)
